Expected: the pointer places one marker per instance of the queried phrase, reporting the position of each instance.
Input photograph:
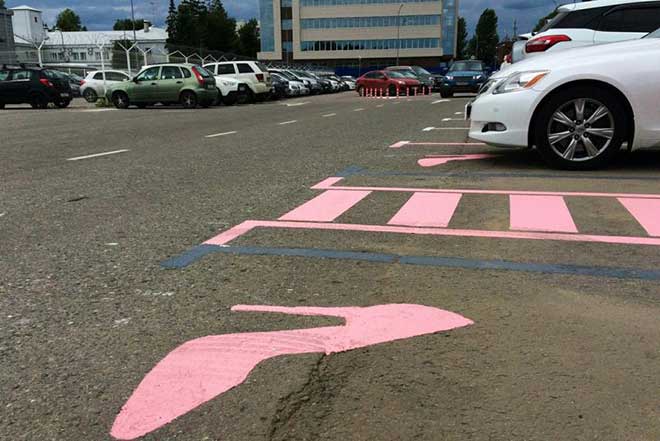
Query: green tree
(221, 28)
(483, 45)
(462, 39)
(171, 23)
(248, 39)
(2, 4)
(126, 24)
(68, 21)
(542, 22)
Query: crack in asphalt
(291, 405)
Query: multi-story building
(347, 32)
(7, 50)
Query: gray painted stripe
(197, 253)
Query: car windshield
(393, 74)
(406, 74)
(421, 71)
(655, 34)
(466, 66)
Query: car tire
(246, 96)
(580, 128)
(90, 95)
(230, 99)
(2, 106)
(141, 105)
(188, 99)
(360, 91)
(446, 94)
(120, 100)
(39, 101)
(63, 104)
(392, 91)
(206, 104)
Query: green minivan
(187, 84)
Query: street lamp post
(398, 33)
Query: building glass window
(448, 27)
(368, 22)
(267, 25)
(386, 44)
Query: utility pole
(133, 22)
(398, 33)
(515, 28)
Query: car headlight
(520, 81)
(449, 77)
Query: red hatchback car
(381, 81)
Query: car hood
(603, 53)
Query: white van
(590, 23)
(251, 73)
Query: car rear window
(244, 68)
(261, 67)
(584, 19)
(4, 74)
(99, 76)
(203, 72)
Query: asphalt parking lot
(127, 234)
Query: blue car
(464, 76)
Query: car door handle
(154, 84)
(179, 82)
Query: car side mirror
(135, 80)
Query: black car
(35, 86)
(280, 87)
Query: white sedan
(578, 107)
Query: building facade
(82, 51)
(345, 32)
(7, 49)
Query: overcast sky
(101, 14)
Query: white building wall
(28, 24)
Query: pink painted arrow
(432, 161)
(202, 369)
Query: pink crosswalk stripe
(427, 210)
(326, 207)
(646, 211)
(541, 213)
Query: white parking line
(295, 104)
(380, 105)
(429, 129)
(452, 119)
(288, 122)
(440, 101)
(359, 109)
(458, 113)
(2, 214)
(215, 135)
(96, 155)
(329, 115)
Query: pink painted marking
(590, 238)
(327, 183)
(646, 212)
(326, 207)
(504, 192)
(203, 369)
(399, 144)
(402, 144)
(541, 213)
(432, 161)
(427, 210)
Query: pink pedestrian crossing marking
(541, 213)
(435, 160)
(326, 207)
(646, 212)
(427, 210)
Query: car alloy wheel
(120, 100)
(581, 130)
(188, 100)
(90, 96)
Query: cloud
(97, 15)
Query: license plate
(468, 110)
(64, 95)
(462, 83)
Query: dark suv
(35, 86)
